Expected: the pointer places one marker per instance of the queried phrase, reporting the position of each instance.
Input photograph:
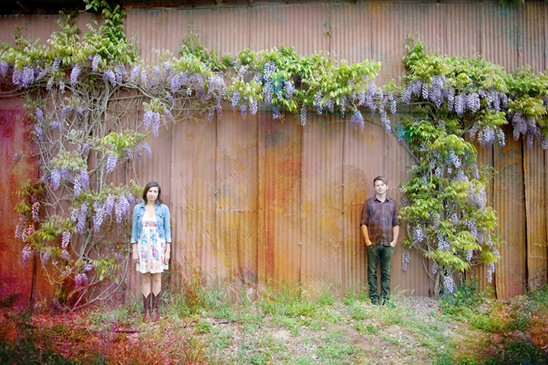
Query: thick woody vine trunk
(32, 298)
(437, 286)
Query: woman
(151, 245)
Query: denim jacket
(162, 220)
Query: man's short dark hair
(381, 178)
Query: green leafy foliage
(119, 143)
(290, 82)
(210, 58)
(445, 200)
(468, 295)
(109, 39)
(456, 99)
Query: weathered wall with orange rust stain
(17, 164)
(262, 201)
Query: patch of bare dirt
(411, 332)
(386, 335)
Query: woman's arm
(167, 226)
(167, 230)
(134, 233)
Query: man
(380, 228)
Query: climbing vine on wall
(455, 100)
(81, 92)
(288, 82)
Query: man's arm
(395, 226)
(365, 233)
(395, 233)
(363, 224)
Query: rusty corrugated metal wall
(16, 166)
(265, 201)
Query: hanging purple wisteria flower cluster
(179, 79)
(288, 83)
(489, 102)
(116, 207)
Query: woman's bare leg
(146, 284)
(156, 283)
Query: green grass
(223, 325)
(358, 312)
(204, 326)
(24, 351)
(517, 351)
(508, 322)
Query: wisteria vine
(82, 96)
(456, 100)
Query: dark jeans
(376, 253)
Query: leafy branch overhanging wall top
(82, 92)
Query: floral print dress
(151, 248)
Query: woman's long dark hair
(152, 184)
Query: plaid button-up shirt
(380, 218)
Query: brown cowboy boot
(155, 314)
(146, 304)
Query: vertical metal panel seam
(526, 206)
(344, 250)
(545, 37)
(300, 198)
(222, 257)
